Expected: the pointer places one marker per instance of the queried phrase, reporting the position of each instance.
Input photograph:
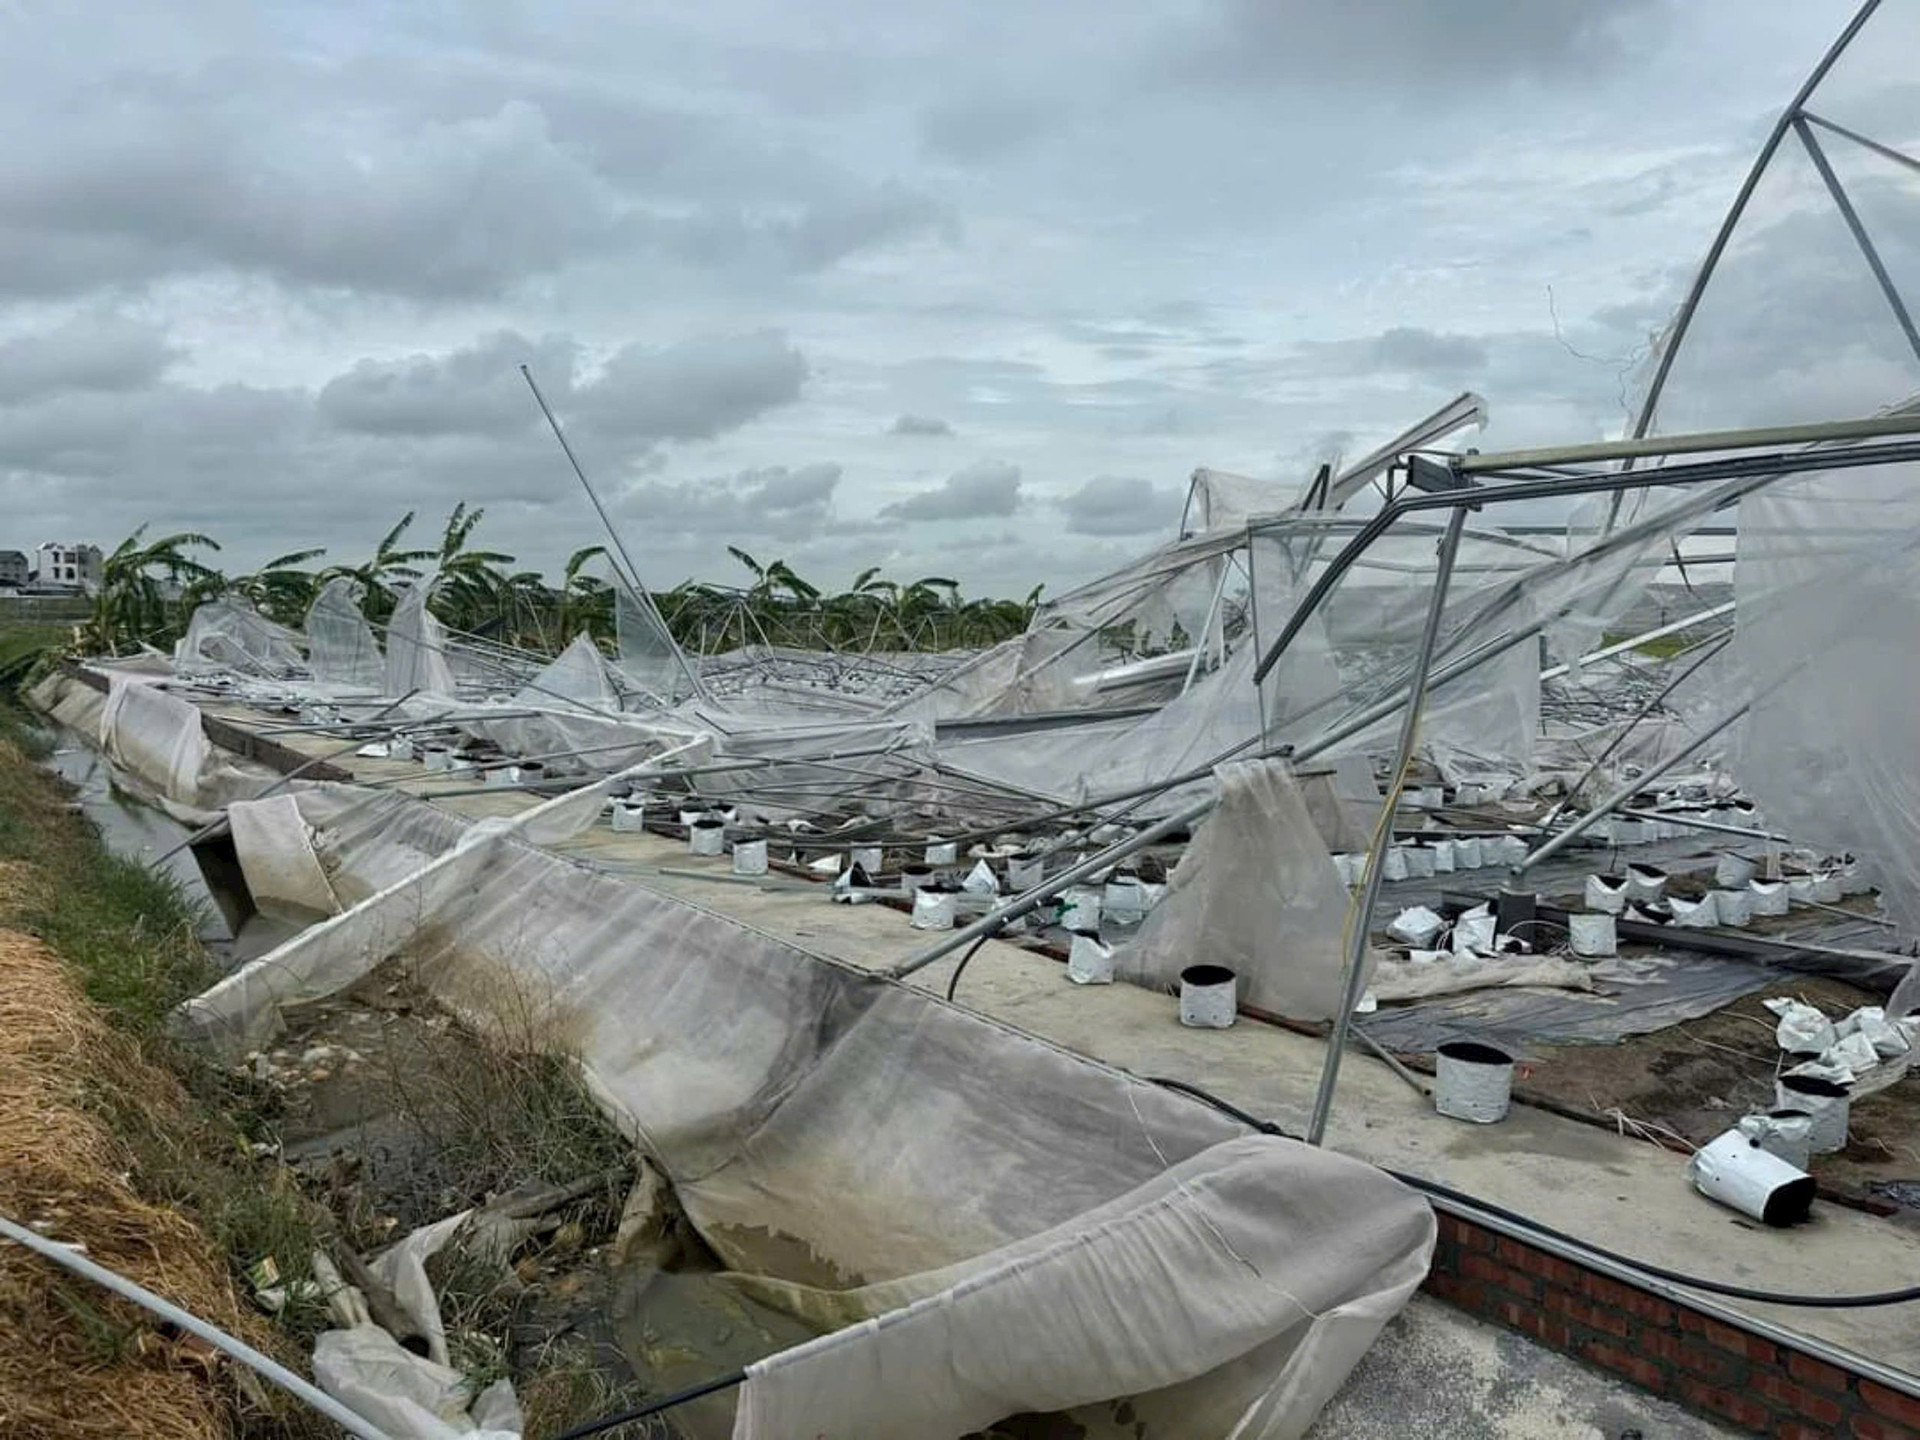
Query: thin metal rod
(1360, 920)
(1698, 443)
(1899, 157)
(1625, 793)
(631, 573)
(1002, 915)
(1756, 471)
(70, 1258)
(1641, 714)
(1844, 203)
(1634, 642)
(1744, 831)
(1206, 627)
(1677, 332)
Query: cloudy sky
(955, 287)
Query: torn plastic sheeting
(230, 636)
(1256, 892)
(276, 856)
(825, 1125)
(1400, 980)
(341, 651)
(244, 1008)
(417, 647)
(1062, 1320)
(155, 735)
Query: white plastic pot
(1393, 864)
(1737, 1172)
(870, 858)
(1854, 879)
(942, 852)
(1800, 889)
(628, 817)
(1694, 914)
(1645, 882)
(437, 757)
(1088, 961)
(1827, 889)
(749, 857)
(1444, 860)
(1593, 934)
(400, 747)
(1732, 872)
(913, 878)
(1024, 872)
(1786, 1133)
(933, 908)
(1468, 854)
(1080, 909)
(1124, 901)
(1770, 897)
(1606, 893)
(1208, 997)
(1826, 1102)
(693, 816)
(707, 837)
(1734, 907)
(1472, 1081)
(1420, 864)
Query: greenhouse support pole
(1360, 925)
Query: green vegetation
(185, 1126)
(151, 586)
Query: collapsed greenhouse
(830, 934)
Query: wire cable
(1902, 1296)
(654, 1407)
(953, 984)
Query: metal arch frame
(1683, 319)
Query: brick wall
(1669, 1349)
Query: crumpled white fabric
(409, 1396)
(1262, 1259)
(1256, 892)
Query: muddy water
(134, 830)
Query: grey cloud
(1118, 505)
(694, 389)
(1457, 45)
(798, 239)
(166, 181)
(90, 352)
(785, 504)
(1424, 352)
(974, 129)
(919, 425)
(1405, 349)
(477, 390)
(991, 487)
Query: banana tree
(280, 589)
(143, 585)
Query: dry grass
(113, 1137)
(78, 1362)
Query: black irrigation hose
(972, 950)
(1524, 1222)
(654, 1407)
